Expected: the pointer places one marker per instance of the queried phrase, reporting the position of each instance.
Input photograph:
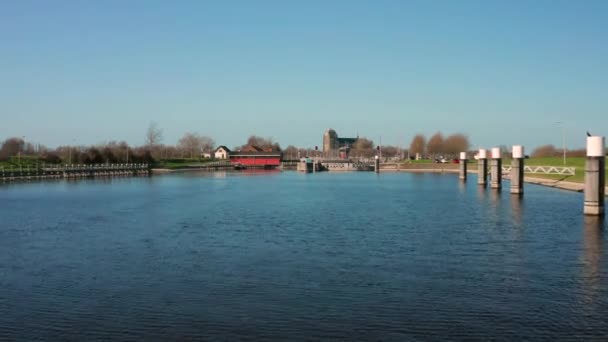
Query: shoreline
(552, 183)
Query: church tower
(330, 141)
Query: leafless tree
(417, 145)
(456, 143)
(207, 144)
(193, 144)
(435, 144)
(190, 144)
(264, 143)
(154, 135)
(290, 152)
(11, 147)
(363, 147)
(389, 151)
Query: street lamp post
(70, 152)
(563, 139)
(21, 146)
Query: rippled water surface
(288, 256)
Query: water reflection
(260, 172)
(493, 213)
(219, 174)
(481, 192)
(495, 197)
(260, 251)
(592, 251)
(462, 186)
(517, 208)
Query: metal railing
(546, 170)
(71, 170)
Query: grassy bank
(178, 164)
(577, 162)
(173, 164)
(23, 162)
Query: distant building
(254, 156)
(222, 152)
(332, 144)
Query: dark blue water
(288, 256)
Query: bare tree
(154, 135)
(417, 145)
(193, 144)
(363, 147)
(456, 143)
(207, 144)
(190, 144)
(11, 147)
(264, 143)
(389, 151)
(435, 144)
(290, 152)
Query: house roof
(222, 146)
(255, 148)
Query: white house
(222, 152)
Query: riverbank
(577, 186)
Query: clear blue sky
(502, 72)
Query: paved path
(554, 183)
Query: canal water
(289, 256)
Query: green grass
(177, 164)
(421, 161)
(557, 161)
(23, 162)
(577, 162)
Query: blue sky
(503, 72)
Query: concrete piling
(377, 164)
(463, 166)
(517, 170)
(595, 173)
(482, 167)
(496, 169)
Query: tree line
(437, 145)
(192, 145)
(552, 151)
(18, 150)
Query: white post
(517, 170)
(482, 167)
(496, 169)
(463, 166)
(595, 173)
(377, 164)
